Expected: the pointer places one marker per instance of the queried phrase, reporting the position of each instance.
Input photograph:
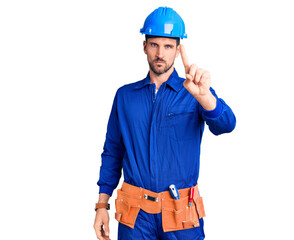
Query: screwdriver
(174, 191)
(191, 196)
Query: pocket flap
(190, 223)
(182, 108)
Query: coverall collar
(173, 81)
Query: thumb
(189, 77)
(106, 228)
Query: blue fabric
(149, 227)
(156, 138)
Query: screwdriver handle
(191, 196)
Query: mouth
(159, 62)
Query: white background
(61, 63)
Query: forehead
(162, 40)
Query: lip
(160, 62)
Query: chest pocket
(182, 120)
(181, 109)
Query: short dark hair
(151, 36)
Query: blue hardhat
(164, 22)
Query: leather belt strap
(102, 205)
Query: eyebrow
(167, 44)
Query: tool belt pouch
(177, 215)
(199, 206)
(127, 208)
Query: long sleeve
(112, 155)
(221, 119)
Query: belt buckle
(154, 199)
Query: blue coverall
(156, 140)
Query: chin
(160, 68)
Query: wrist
(102, 205)
(207, 101)
(103, 198)
(103, 202)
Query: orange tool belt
(176, 214)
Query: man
(154, 134)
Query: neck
(159, 79)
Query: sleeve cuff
(106, 189)
(215, 112)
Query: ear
(144, 47)
(178, 50)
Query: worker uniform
(155, 139)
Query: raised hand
(198, 82)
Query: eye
(153, 44)
(168, 46)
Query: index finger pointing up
(184, 58)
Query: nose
(159, 53)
